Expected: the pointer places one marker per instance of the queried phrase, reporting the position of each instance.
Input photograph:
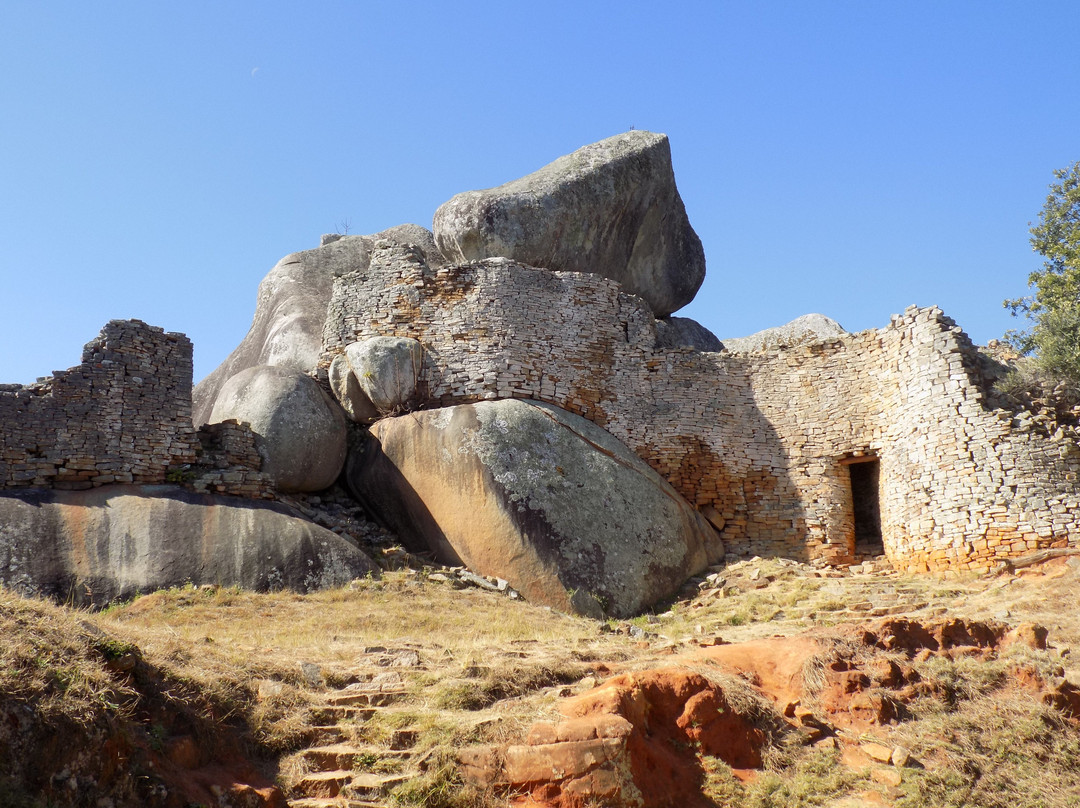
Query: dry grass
(1005, 750)
(55, 661)
(491, 667)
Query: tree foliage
(1054, 306)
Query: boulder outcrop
(347, 390)
(682, 332)
(299, 430)
(91, 547)
(610, 208)
(800, 331)
(290, 309)
(386, 370)
(537, 496)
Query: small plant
(113, 649)
(157, 734)
(365, 762)
(180, 475)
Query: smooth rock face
(115, 541)
(610, 208)
(682, 332)
(535, 495)
(299, 431)
(386, 369)
(291, 308)
(800, 331)
(350, 395)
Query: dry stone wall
(764, 439)
(229, 463)
(122, 416)
(763, 442)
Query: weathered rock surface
(386, 369)
(626, 744)
(112, 542)
(682, 332)
(537, 496)
(610, 208)
(299, 431)
(348, 392)
(800, 331)
(290, 309)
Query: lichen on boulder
(537, 496)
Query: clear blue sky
(848, 158)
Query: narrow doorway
(866, 508)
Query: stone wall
(122, 416)
(229, 463)
(763, 439)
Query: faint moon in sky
(254, 70)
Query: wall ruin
(764, 439)
(123, 415)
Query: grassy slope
(491, 666)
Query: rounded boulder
(299, 430)
(537, 496)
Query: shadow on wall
(709, 438)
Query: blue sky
(848, 158)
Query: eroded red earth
(638, 739)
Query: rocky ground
(766, 683)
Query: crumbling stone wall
(122, 416)
(228, 463)
(759, 441)
(762, 439)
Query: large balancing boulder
(300, 431)
(537, 496)
(95, 546)
(611, 208)
(290, 310)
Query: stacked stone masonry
(123, 416)
(765, 439)
(229, 463)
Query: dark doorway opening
(865, 485)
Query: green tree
(1054, 306)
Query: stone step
(336, 713)
(323, 784)
(334, 802)
(346, 756)
(326, 735)
(403, 739)
(900, 608)
(373, 786)
(362, 698)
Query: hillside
(769, 683)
